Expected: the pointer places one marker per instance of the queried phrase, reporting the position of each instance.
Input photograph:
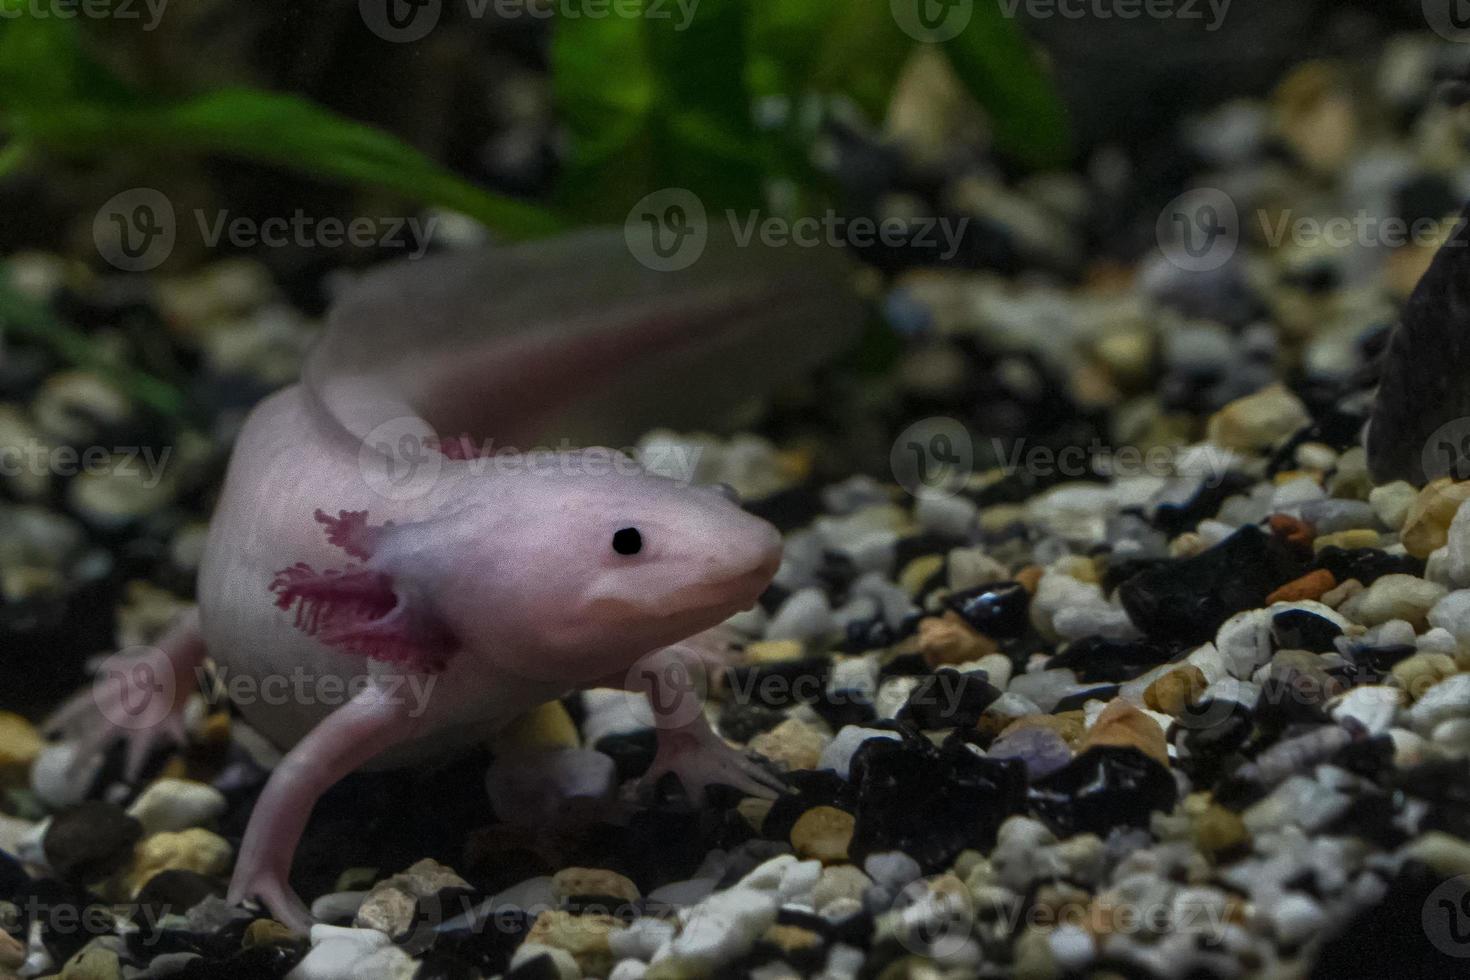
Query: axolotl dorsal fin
(573, 338)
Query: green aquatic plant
(647, 100)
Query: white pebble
(176, 804)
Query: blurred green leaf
(22, 316)
(55, 96)
(284, 130)
(995, 61)
(654, 101)
(828, 47)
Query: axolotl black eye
(627, 541)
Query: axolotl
(373, 526)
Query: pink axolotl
(365, 533)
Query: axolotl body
(372, 525)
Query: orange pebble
(1313, 585)
(1294, 531)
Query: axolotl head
(553, 573)
(588, 573)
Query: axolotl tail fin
(575, 339)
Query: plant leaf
(995, 61)
(281, 129)
(652, 101)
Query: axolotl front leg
(355, 733)
(674, 680)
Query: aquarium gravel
(1095, 651)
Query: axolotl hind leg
(138, 696)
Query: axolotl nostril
(383, 519)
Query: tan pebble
(20, 743)
(1312, 585)
(267, 932)
(753, 810)
(773, 651)
(1418, 673)
(194, 849)
(917, 573)
(824, 833)
(1172, 693)
(1187, 545)
(572, 882)
(1068, 724)
(1257, 421)
(215, 729)
(1123, 724)
(1396, 596)
(1030, 577)
(545, 727)
(792, 939)
(1445, 853)
(584, 936)
(840, 881)
(1358, 537)
(1218, 831)
(1344, 591)
(12, 951)
(793, 744)
(92, 963)
(1426, 526)
(948, 639)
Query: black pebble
(1098, 660)
(1188, 598)
(89, 841)
(631, 752)
(1367, 565)
(173, 892)
(812, 788)
(742, 722)
(949, 699)
(999, 609)
(779, 685)
(1105, 787)
(928, 802)
(1302, 629)
(1391, 938)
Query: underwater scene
(715, 489)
